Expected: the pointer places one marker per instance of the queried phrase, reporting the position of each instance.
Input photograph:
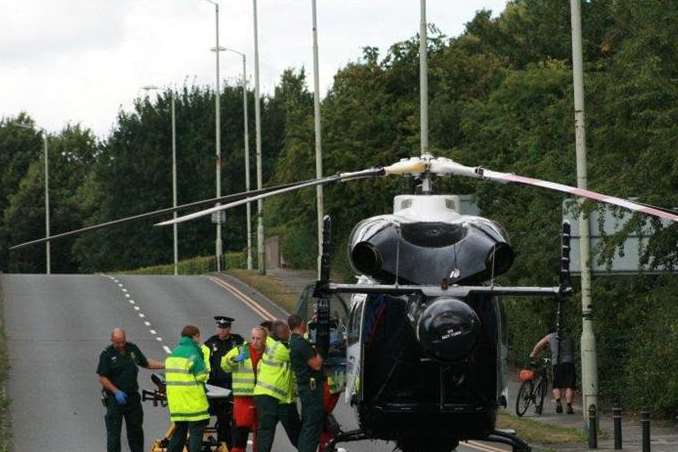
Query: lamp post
(216, 50)
(318, 136)
(174, 176)
(261, 256)
(589, 363)
(247, 154)
(48, 265)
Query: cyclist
(564, 374)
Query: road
(57, 325)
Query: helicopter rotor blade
(445, 166)
(342, 177)
(155, 213)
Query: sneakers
(559, 407)
(569, 409)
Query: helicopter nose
(448, 329)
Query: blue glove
(120, 397)
(244, 354)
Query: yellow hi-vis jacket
(243, 375)
(185, 376)
(274, 373)
(206, 356)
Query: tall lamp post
(219, 215)
(318, 136)
(174, 176)
(261, 256)
(589, 363)
(48, 265)
(247, 154)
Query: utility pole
(423, 80)
(261, 256)
(219, 246)
(589, 364)
(318, 137)
(48, 264)
(174, 185)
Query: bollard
(617, 419)
(593, 428)
(645, 426)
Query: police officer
(118, 376)
(220, 344)
(307, 367)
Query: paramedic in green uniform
(307, 367)
(118, 376)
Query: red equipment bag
(244, 412)
(526, 375)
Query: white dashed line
(167, 349)
(124, 290)
(136, 308)
(119, 285)
(128, 295)
(153, 332)
(147, 323)
(131, 301)
(159, 339)
(141, 315)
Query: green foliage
(194, 266)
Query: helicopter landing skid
(504, 437)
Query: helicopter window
(405, 203)
(450, 204)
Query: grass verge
(539, 432)
(269, 286)
(5, 422)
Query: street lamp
(257, 121)
(318, 137)
(247, 154)
(46, 153)
(174, 176)
(219, 216)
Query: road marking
(167, 349)
(136, 308)
(159, 339)
(131, 301)
(124, 290)
(119, 285)
(147, 323)
(153, 332)
(141, 315)
(128, 295)
(256, 307)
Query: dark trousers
(312, 417)
(134, 420)
(222, 409)
(269, 412)
(178, 439)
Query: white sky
(80, 61)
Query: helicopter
(426, 340)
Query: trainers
(559, 407)
(569, 409)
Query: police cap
(223, 321)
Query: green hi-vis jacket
(185, 375)
(274, 376)
(244, 377)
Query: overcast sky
(81, 61)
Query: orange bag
(526, 375)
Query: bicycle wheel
(525, 397)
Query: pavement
(664, 434)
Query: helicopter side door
(355, 350)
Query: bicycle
(534, 388)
